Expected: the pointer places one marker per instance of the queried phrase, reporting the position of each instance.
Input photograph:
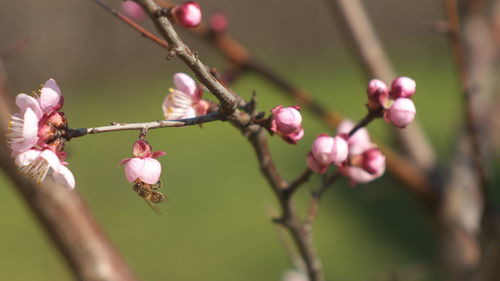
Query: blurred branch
(114, 127)
(356, 26)
(65, 217)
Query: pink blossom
(373, 161)
(132, 10)
(37, 164)
(403, 87)
(143, 167)
(188, 14)
(401, 113)
(287, 122)
(358, 142)
(359, 175)
(33, 135)
(378, 94)
(185, 100)
(314, 164)
(218, 22)
(327, 150)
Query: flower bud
(403, 87)
(359, 141)
(314, 165)
(378, 93)
(286, 120)
(132, 10)
(188, 14)
(373, 161)
(401, 113)
(339, 150)
(218, 22)
(141, 149)
(322, 149)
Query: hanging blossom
(287, 122)
(36, 136)
(185, 100)
(143, 167)
(365, 162)
(399, 109)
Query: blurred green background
(216, 225)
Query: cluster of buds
(36, 136)
(287, 122)
(398, 107)
(143, 167)
(356, 156)
(185, 101)
(365, 162)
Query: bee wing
(153, 207)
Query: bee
(150, 194)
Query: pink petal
(24, 101)
(185, 84)
(359, 142)
(51, 159)
(151, 171)
(29, 135)
(50, 99)
(133, 169)
(27, 157)
(64, 176)
(157, 154)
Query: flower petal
(178, 105)
(151, 171)
(26, 137)
(24, 102)
(64, 176)
(133, 169)
(50, 99)
(51, 159)
(185, 84)
(27, 157)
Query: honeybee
(150, 194)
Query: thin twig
(317, 194)
(214, 116)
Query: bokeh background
(216, 225)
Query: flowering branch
(358, 29)
(214, 116)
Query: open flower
(185, 100)
(143, 167)
(35, 135)
(37, 164)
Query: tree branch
(214, 116)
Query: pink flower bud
(373, 161)
(359, 175)
(378, 93)
(286, 120)
(359, 142)
(188, 14)
(294, 138)
(314, 165)
(403, 87)
(218, 22)
(132, 10)
(327, 150)
(401, 113)
(141, 149)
